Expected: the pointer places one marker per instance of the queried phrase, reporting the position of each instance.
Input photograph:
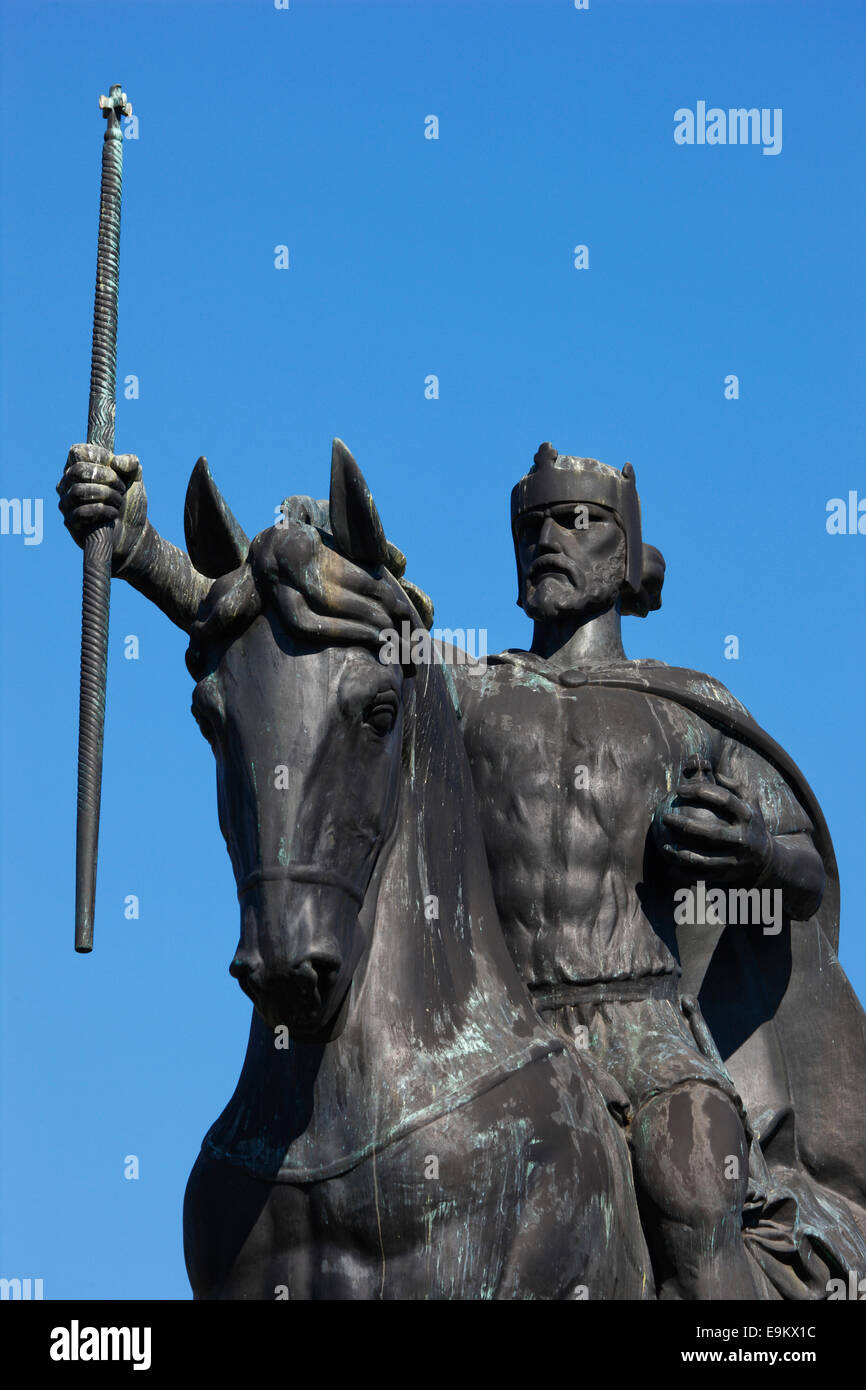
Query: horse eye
(381, 714)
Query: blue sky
(408, 257)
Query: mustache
(553, 560)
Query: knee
(691, 1154)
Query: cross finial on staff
(115, 101)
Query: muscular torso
(567, 782)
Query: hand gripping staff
(98, 544)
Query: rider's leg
(691, 1164)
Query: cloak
(782, 1013)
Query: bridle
(304, 873)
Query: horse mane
(236, 599)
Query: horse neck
(438, 973)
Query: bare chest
(544, 756)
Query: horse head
(308, 750)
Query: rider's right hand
(99, 487)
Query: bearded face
(572, 561)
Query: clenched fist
(99, 488)
(709, 827)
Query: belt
(604, 991)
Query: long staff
(98, 544)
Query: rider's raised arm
(165, 575)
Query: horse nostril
(242, 968)
(316, 975)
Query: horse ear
(215, 540)
(354, 520)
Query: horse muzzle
(304, 996)
(300, 945)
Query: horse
(404, 1126)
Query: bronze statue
(609, 798)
